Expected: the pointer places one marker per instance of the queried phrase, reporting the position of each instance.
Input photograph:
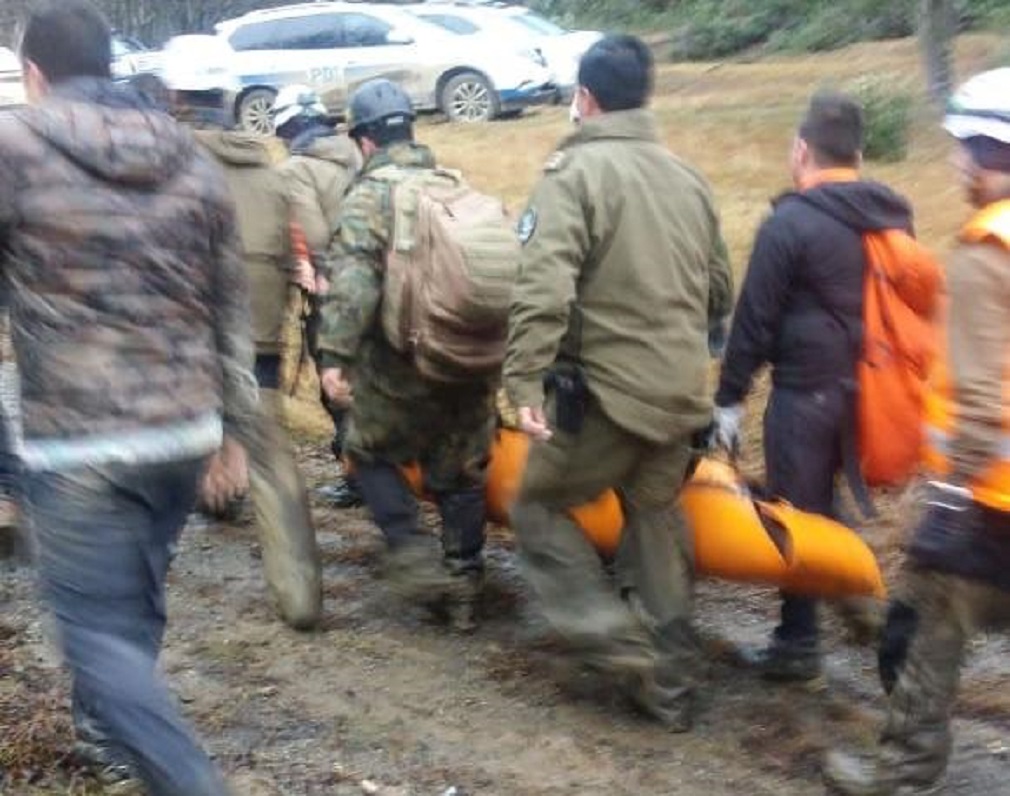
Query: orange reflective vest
(992, 487)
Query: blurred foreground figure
(130, 322)
(283, 519)
(957, 577)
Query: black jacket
(801, 306)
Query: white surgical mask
(574, 116)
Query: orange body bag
(735, 537)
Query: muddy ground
(380, 700)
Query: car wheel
(254, 111)
(468, 97)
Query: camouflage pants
(445, 430)
(931, 621)
(655, 559)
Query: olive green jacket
(264, 223)
(624, 267)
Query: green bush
(705, 29)
(887, 118)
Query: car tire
(254, 111)
(469, 97)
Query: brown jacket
(978, 339)
(264, 219)
(317, 175)
(128, 302)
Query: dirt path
(381, 697)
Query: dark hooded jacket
(801, 306)
(128, 302)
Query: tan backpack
(451, 264)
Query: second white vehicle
(336, 46)
(526, 30)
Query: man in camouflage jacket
(130, 319)
(398, 417)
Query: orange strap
(827, 176)
(992, 221)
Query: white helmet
(981, 107)
(294, 101)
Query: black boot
(342, 493)
(787, 661)
(463, 518)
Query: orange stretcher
(736, 537)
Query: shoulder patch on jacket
(556, 162)
(527, 225)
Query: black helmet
(379, 101)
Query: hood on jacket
(237, 148)
(862, 205)
(112, 131)
(327, 145)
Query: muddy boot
(111, 770)
(105, 762)
(414, 571)
(664, 696)
(462, 605)
(855, 775)
(463, 519)
(786, 661)
(342, 493)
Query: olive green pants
(654, 565)
(287, 535)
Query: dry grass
(734, 121)
(34, 717)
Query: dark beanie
(988, 153)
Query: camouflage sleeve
(556, 241)
(233, 329)
(357, 254)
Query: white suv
(336, 46)
(561, 49)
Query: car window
(123, 45)
(309, 32)
(454, 24)
(362, 30)
(539, 24)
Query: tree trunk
(936, 35)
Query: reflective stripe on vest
(992, 486)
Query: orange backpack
(900, 297)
